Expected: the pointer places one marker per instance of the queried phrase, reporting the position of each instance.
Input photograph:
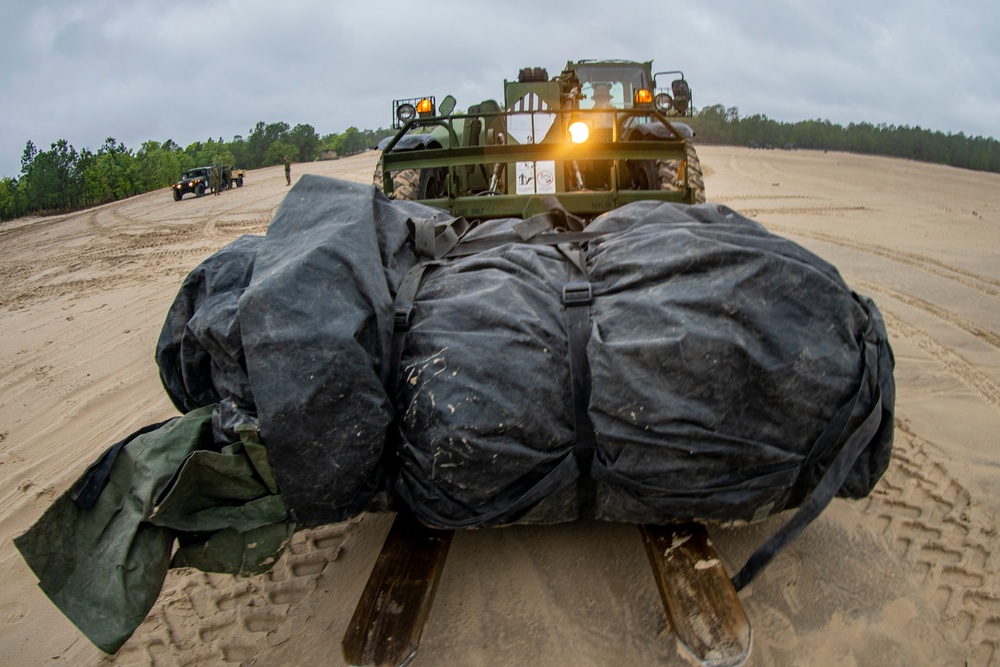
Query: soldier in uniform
(215, 180)
(288, 171)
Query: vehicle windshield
(610, 87)
(193, 173)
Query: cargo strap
(437, 242)
(432, 240)
(577, 296)
(834, 476)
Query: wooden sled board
(701, 604)
(704, 611)
(389, 620)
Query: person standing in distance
(288, 171)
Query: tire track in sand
(926, 517)
(976, 380)
(977, 281)
(985, 335)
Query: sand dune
(905, 577)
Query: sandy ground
(906, 577)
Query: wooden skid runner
(390, 617)
(701, 603)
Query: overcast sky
(84, 70)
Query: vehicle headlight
(664, 102)
(405, 113)
(579, 132)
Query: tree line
(63, 178)
(724, 125)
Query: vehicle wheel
(177, 195)
(643, 176)
(419, 184)
(667, 170)
(239, 182)
(200, 192)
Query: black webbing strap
(483, 243)
(831, 481)
(435, 242)
(577, 296)
(432, 240)
(512, 509)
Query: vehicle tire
(200, 191)
(412, 184)
(239, 182)
(667, 170)
(177, 195)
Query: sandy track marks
(239, 618)
(801, 210)
(953, 362)
(121, 252)
(928, 520)
(115, 278)
(985, 335)
(12, 229)
(731, 198)
(977, 281)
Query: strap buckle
(403, 316)
(577, 293)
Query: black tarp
(727, 365)
(718, 355)
(669, 362)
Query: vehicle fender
(412, 142)
(659, 131)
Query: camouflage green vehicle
(199, 179)
(196, 180)
(599, 135)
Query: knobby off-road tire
(667, 171)
(413, 184)
(177, 195)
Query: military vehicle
(599, 135)
(199, 180)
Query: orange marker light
(424, 106)
(643, 96)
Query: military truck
(235, 177)
(599, 135)
(199, 180)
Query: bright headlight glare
(579, 132)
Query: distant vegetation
(721, 125)
(62, 178)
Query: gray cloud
(144, 70)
